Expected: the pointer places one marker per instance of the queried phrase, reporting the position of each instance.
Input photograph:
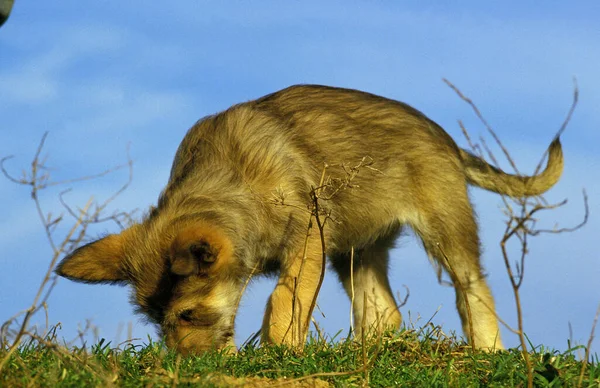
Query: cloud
(37, 78)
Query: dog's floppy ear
(96, 262)
(199, 249)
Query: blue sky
(101, 75)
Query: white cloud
(39, 77)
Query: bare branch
(39, 179)
(521, 222)
(565, 122)
(571, 229)
(485, 123)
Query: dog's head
(184, 278)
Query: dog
(242, 194)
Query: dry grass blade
(588, 347)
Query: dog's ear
(96, 262)
(199, 249)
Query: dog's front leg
(289, 309)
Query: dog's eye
(186, 316)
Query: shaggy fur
(238, 203)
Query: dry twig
(91, 213)
(520, 223)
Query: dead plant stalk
(38, 180)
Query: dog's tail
(486, 176)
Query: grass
(407, 358)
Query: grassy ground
(406, 359)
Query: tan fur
(237, 204)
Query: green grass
(406, 358)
